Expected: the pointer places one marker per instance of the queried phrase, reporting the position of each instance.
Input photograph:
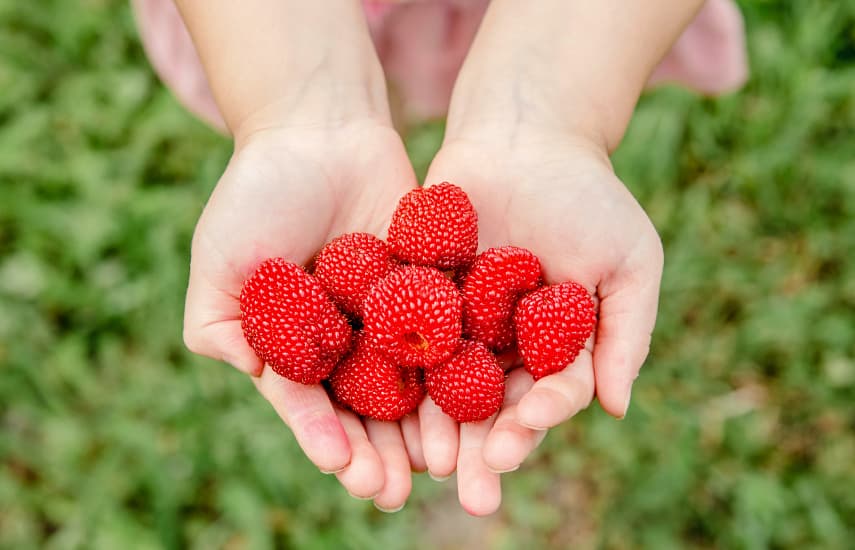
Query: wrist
(321, 101)
(564, 65)
(272, 62)
(523, 97)
(485, 114)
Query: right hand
(288, 190)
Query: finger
(387, 439)
(555, 398)
(221, 339)
(628, 303)
(413, 441)
(308, 412)
(478, 489)
(364, 477)
(509, 359)
(509, 442)
(439, 440)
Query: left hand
(558, 196)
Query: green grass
(113, 436)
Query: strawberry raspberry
(371, 385)
(414, 316)
(291, 323)
(552, 325)
(348, 266)
(470, 386)
(490, 291)
(435, 226)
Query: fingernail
(514, 469)
(231, 361)
(438, 478)
(524, 424)
(389, 511)
(626, 405)
(331, 472)
(361, 498)
(530, 427)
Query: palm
(562, 201)
(285, 194)
(288, 194)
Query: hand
(289, 189)
(557, 196)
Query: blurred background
(742, 429)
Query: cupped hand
(285, 193)
(559, 197)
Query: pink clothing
(422, 45)
(710, 55)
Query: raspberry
(490, 291)
(435, 226)
(414, 316)
(348, 266)
(470, 386)
(552, 325)
(371, 385)
(291, 323)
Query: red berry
(435, 226)
(470, 386)
(490, 291)
(371, 385)
(552, 325)
(414, 316)
(291, 323)
(348, 266)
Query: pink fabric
(422, 44)
(710, 56)
(173, 56)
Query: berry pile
(385, 323)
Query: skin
(539, 196)
(316, 156)
(543, 98)
(263, 207)
(311, 162)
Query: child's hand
(300, 87)
(286, 192)
(558, 197)
(545, 93)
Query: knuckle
(657, 249)
(578, 391)
(315, 423)
(193, 341)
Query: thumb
(628, 304)
(212, 327)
